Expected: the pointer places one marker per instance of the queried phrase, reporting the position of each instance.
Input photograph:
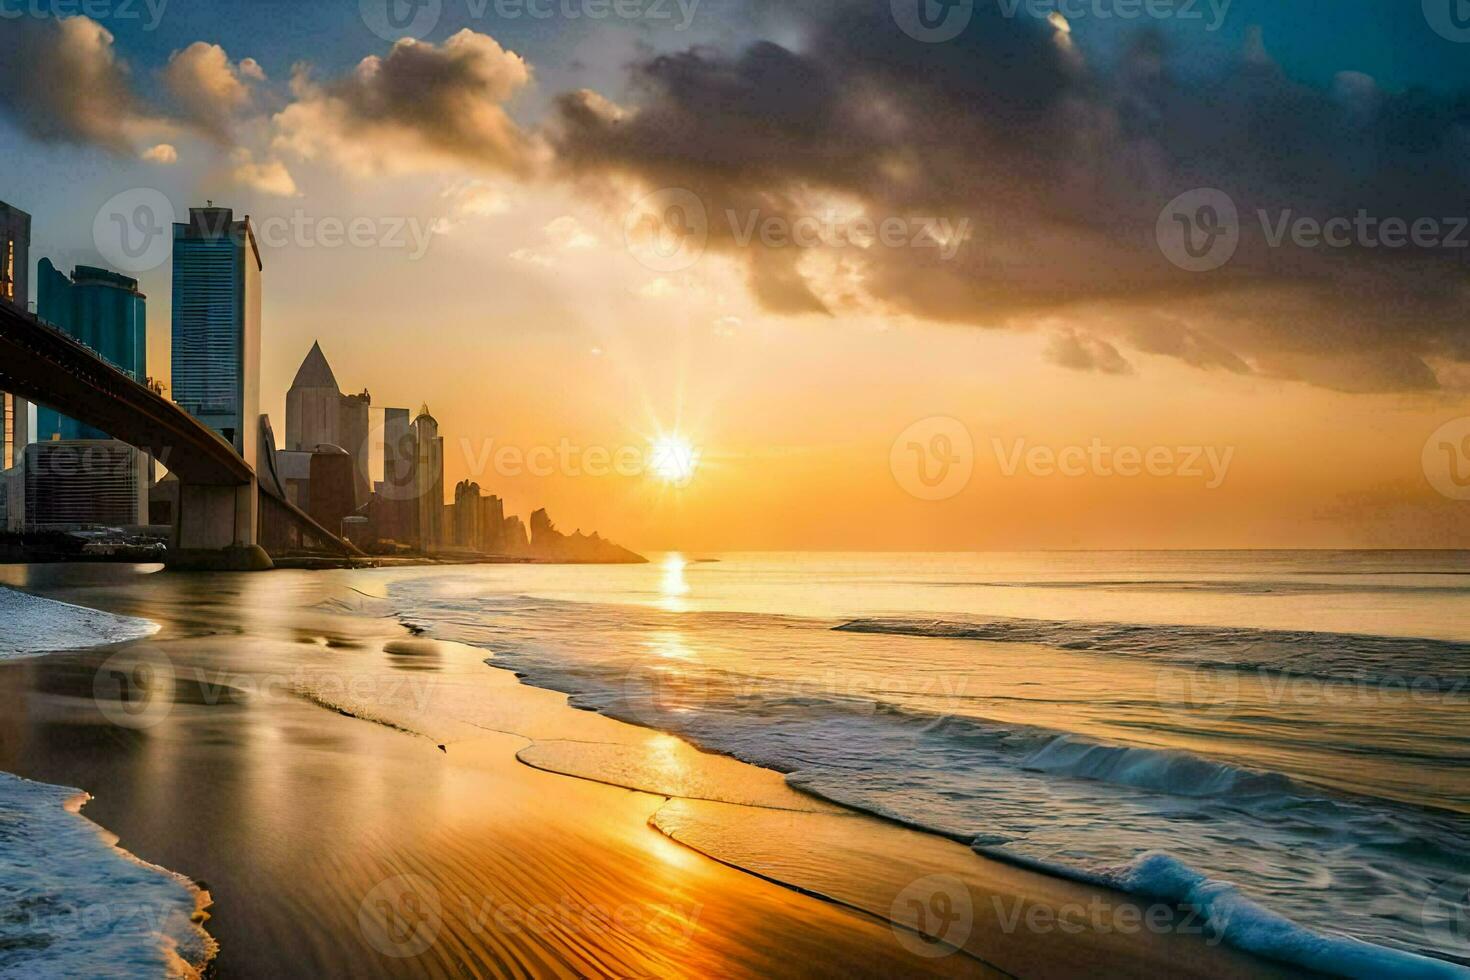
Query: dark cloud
(1063, 170)
(62, 81)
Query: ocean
(1276, 738)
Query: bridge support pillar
(215, 529)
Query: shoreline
(836, 904)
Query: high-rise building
(399, 453)
(71, 483)
(429, 480)
(84, 476)
(469, 515)
(216, 324)
(15, 287)
(318, 414)
(102, 310)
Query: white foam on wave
(1249, 926)
(1169, 771)
(74, 905)
(32, 626)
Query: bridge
(225, 511)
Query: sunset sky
(508, 275)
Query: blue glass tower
(102, 310)
(216, 324)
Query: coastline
(283, 764)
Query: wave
(1322, 863)
(1407, 663)
(1249, 926)
(76, 905)
(34, 626)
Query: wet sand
(279, 739)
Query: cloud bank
(1065, 172)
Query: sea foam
(32, 625)
(73, 905)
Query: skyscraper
(429, 480)
(216, 324)
(77, 474)
(102, 310)
(15, 287)
(318, 414)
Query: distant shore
(364, 802)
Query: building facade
(216, 324)
(89, 478)
(102, 310)
(429, 480)
(79, 483)
(15, 287)
(318, 414)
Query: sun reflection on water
(673, 586)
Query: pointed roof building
(315, 372)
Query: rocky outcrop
(549, 544)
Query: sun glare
(674, 459)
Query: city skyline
(481, 269)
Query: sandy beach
(362, 801)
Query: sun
(674, 459)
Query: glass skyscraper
(102, 310)
(216, 324)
